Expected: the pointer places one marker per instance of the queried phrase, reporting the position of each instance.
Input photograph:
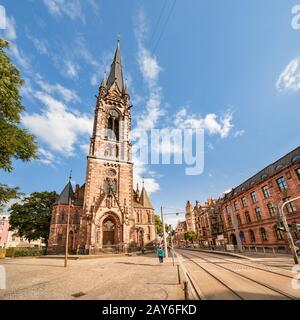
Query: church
(105, 212)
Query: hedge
(23, 252)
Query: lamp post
(67, 235)
(164, 232)
(286, 227)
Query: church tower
(106, 212)
(109, 185)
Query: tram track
(237, 274)
(250, 266)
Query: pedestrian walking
(160, 254)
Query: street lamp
(67, 236)
(164, 230)
(286, 227)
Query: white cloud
(290, 76)
(10, 31)
(10, 34)
(67, 94)
(148, 65)
(70, 8)
(212, 123)
(94, 80)
(40, 45)
(56, 126)
(72, 69)
(239, 133)
(46, 157)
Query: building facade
(106, 211)
(9, 239)
(252, 207)
(4, 230)
(206, 220)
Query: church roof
(144, 199)
(116, 74)
(66, 194)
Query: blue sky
(230, 67)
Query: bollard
(185, 288)
(178, 272)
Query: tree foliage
(31, 219)
(7, 194)
(15, 141)
(190, 236)
(159, 226)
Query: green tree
(15, 141)
(159, 226)
(31, 219)
(7, 193)
(190, 236)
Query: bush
(23, 252)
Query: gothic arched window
(113, 125)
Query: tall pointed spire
(144, 199)
(103, 82)
(66, 194)
(116, 73)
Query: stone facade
(106, 212)
(253, 204)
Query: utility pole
(164, 233)
(68, 225)
(67, 235)
(286, 227)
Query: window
(59, 238)
(289, 207)
(62, 217)
(236, 205)
(239, 220)
(229, 221)
(272, 209)
(228, 209)
(266, 191)
(298, 172)
(253, 197)
(244, 202)
(252, 235)
(278, 233)
(281, 184)
(242, 236)
(263, 234)
(247, 216)
(258, 214)
(113, 125)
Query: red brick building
(253, 204)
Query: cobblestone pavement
(128, 278)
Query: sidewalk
(246, 255)
(128, 278)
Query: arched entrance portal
(109, 232)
